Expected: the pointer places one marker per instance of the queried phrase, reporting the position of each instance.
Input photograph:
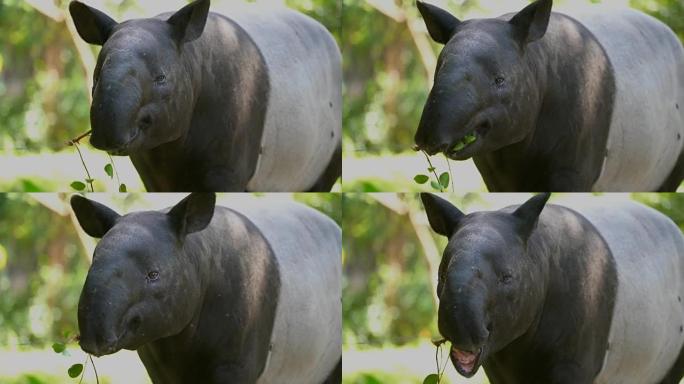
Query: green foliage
(328, 203)
(109, 170)
(58, 347)
(386, 82)
(385, 289)
(670, 12)
(44, 99)
(75, 370)
(78, 186)
(42, 269)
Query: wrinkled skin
(142, 94)
(507, 98)
(194, 289)
(186, 95)
(136, 293)
(488, 295)
(483, 84)
(515, 286)
(488, 95)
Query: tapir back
(304, 114)
(647, 128)
(645, 335)
(307, 335)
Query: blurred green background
(44, 259)
(388, 64)
(45, 75)
(391, 257)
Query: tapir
(211, 294)
(545, 101)
(202, 101)
(551, 294)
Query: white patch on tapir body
(304, 116)
(647, 128)
(307, 334)
(645, 335)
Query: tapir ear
(92, 25)
(440, 23)
(532, 21)
(193, 213)
(528, 213)
(442, 215)
(188, 23)
(95, 218)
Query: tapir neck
(567, 251)
(571, 93)
(230, 89)
(240, 285)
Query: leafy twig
(88, 180)
(434, 171)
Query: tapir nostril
(134, 324)
(145, 121)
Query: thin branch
(78, 138)
(89, 180)
(434, 171)
(97, 378)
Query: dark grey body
(230, 302)
(202, 101)
(574, 110)
(594, 296)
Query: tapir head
(486, 288)
(484, 95)
(142, 285)
(142, 88)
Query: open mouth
(466, 363)
(468, 145)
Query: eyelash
(152, 276)
(160, 79)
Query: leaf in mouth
(469, 139)
(464, 142)
(458, 146)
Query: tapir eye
(499, 81)
(160, 79)
(152, 275)
(506, 278)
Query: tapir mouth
(126, 148)
(469, 144)
(466, 362)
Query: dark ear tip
(425, 197)
(77, 200)
(75, 5)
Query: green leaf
(77, 185)
(122, 187)
(58, 347)
(444, 179)
(421, 179)
(75, 370)
(109, 170)
(435, 186)
(431, 379)
(431, 169)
